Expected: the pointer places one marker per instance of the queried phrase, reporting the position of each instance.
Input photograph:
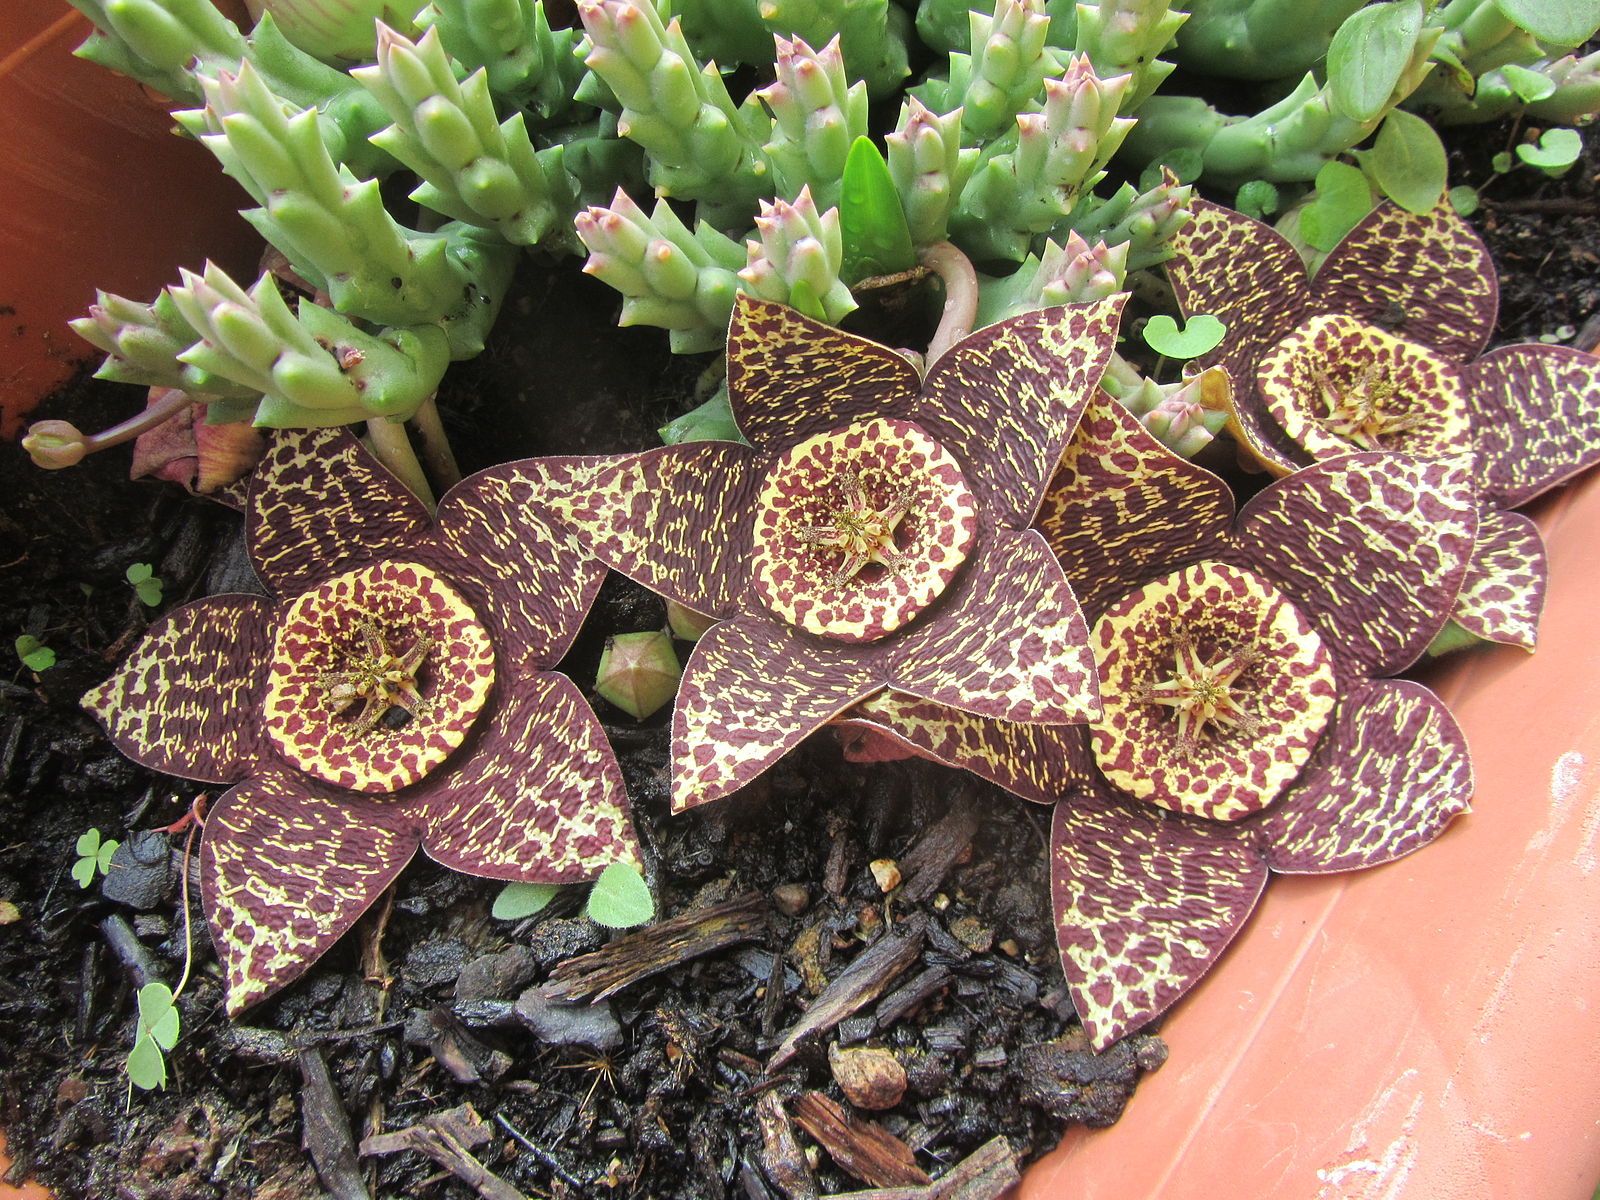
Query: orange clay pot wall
(1419, 1032)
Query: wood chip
(862, 1148)
(782, 1161)
(983, 1175)
(866, 978)
(925, 865)
(658, 948)
(447, 1138)
(326, 1130)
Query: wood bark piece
(326, 1131)
(923, 987)
(782, 1161)
(926, 864)
(447, 1138)
(983, 1175)
(859, 984)
(863, 1148)
(660, 947)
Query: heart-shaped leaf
(620, 898)
(35, 655)
(147, 1068)
(157, 1015)
(1343, 197)
(518, 900)
(1203, 332)
(1557, 150)
(1258, 199)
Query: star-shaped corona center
(376, 676)
(859, 529)
(1205, 690)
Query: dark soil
(418, 1013)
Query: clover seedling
(1258, 199)
(1203, 332)
(94, 857)
(1557, 150)
(35, 655)
(157, 1031)
(145, 583)
(1343, 197)
(518, 900)
(620, 898)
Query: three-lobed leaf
(94, 855)
(156, 1031)
(146, 585)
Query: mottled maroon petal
(1009, 640)
(1006, 399)
(1536, 417)
(791, 377)
(752, 690)
(1427, 277)
(186, 700)
(537, 796)
(1036, 762)
(1504, 590)
(676, 519)
(1145, 902)
(1386, 780)
(320, 504)
(524, 572)
(1123, 508)
(1375, 545)
(286, 869)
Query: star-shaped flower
(1380, 350)
(873, 535)
(396, 695)
(1249, 725)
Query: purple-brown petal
(1145, 902)
(1244, 273)
(1376, 545)
(1536, 417)
(790, 377)
(1123, 508)
(677, 520)
(537, 795)
(1390, 775)
(752, 690)
(1006, 399)
(1503, 594)
(1036, 762)
(524, 572)
(186, 700)
(320, 504)
(1009, 640)
(286, 868)
(1426, 276)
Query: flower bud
(639, 673)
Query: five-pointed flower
(873, 535)
(1248, 723)
(1380, 351)
(397, 695)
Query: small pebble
(791, 899)
(887, 872)
(870, 1077)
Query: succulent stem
(954, 270)
(393, 448)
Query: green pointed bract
(869, 538)
(396, 696)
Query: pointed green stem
(960, 281)
(393, 448)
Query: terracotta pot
(1418, 1032)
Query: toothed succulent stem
(668, 277)
(1029, 180)
(143, 342)
(816, 115)
(929, 168)
(1123, 37)
(1184, 416)
(1064, 273)
(1003, 74)
(1143, 222)
(513, 42)
(796, 261)
(433, 446)
(699, 144)
(473, 167)
(155, 41)
(872, 33)
(54, 445)
(314, 370)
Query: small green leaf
(1463, 200)
(35, 655)
(872, 222)
(518, 900)
(1408, 162)
(88, 843)
(1529, 86)
(139, 572)
(147, 1068)
(620, 898)
(107, 850)
(1557, 150)
(711, 422)
(1368, 54)
(149, 592)
(83, 871)
(155, 1003)
(1203, 332)
(1257, 199)
(1501, 163)
(1186, 163)
(1342, 199)
(1564, 22)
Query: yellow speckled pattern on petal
(1288, 692)
(1503, 594)
(880, 465)
(1332, 365)
(405, 602)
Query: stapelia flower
(1381, 351)
(1249, 725)
(873, 535)
(396, 695)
